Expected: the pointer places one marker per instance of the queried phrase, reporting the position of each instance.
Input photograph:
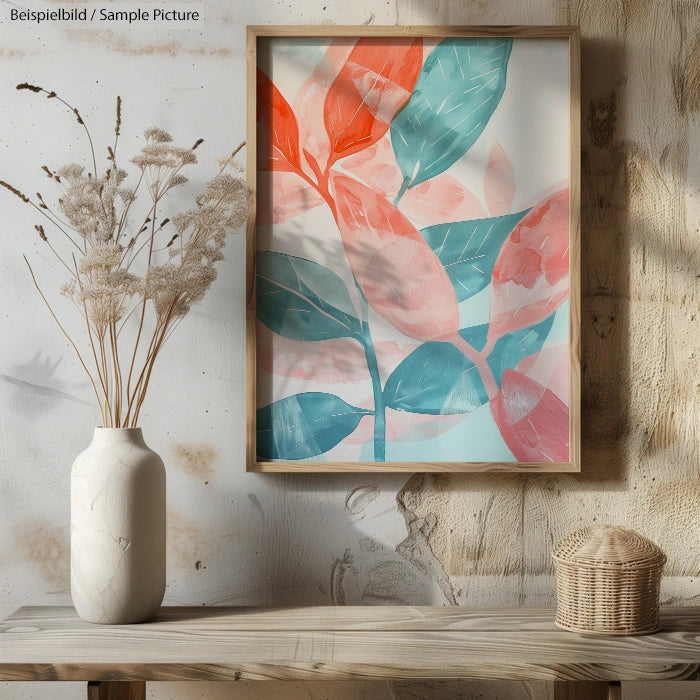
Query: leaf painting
(404, 305)
(310, 99)
(459, 88)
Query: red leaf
(533, 421)
(531, 275)
(373, 84)
(278, 133)
(311, 96)
(397, 271)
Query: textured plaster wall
(366, 539)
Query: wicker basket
(608, 581)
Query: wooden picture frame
(413, 283)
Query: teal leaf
(468, 249)
(457, 91)
(475, 335)
(437, 379)
(305, 425)
(302, 300)
(511, 348)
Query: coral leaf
(533, 421)
(531, 275)
(311, 96)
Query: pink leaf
(543, 194)
(549, 367)
(336, 360)
(340, 360)
(404, 427)
(499, 184)
(434, 201)
(533, 421)
(398, 273)
(531, 275)
(373, 84)
(428, 45)
(376, 166)
(440, 200)
(283, 196)
(278, 133)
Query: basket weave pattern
(608, 580)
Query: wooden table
(340, 643)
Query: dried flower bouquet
(133, 278)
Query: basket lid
(608, 546)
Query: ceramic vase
(117, 528)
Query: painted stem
(404, 186)
(321, 186)
(482, 365)
(373, 367)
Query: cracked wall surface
(350, 539)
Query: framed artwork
(413, 249)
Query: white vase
(117, 528)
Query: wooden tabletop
(340, 643)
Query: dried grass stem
(112, 283)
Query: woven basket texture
(608, 580)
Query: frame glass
(413, 249)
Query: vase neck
(104, 437)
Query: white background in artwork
(532, 125)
